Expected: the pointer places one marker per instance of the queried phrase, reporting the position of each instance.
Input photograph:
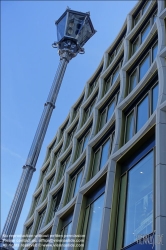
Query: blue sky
(28, 66)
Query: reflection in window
(133, 80)
(144, 66)
(154, 51)
(92, 223)
(145, 32)
(102, 153)
(141, 112)
(139, 200)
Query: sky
(28, 66)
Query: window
(139, 72)
(106, 113)
(40, 220)
(66, 231)
(77, 108)
(95, 81)
(139, 200)
(141, 112)
(63, 129)
(101, 154)
(135, 218)
(143, 33)
(28, 229)
(116, 48)
(111, 79)
(143, 9)
(89, 109)
(71, 135)
(56, 155)
(48, 186)
(64, 166)
(92, 220)
(55, 204)
(75, 182)
(82, 143)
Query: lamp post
(74, 29)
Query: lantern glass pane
(61, 28)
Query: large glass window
(92, 223)
(66, 231)
(141, 112)
(139, 200)
(102, 153)
(141, 69)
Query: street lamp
(74, 29)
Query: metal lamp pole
(74, 29)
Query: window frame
(137, 68)
(99, 148)
(105, 109)
(57, 196)
(135, 108)
(72, 185)
(151, 21)
(140, 12)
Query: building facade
(104, 174)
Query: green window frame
(101, 154)
(77, 108)
(138, 72)
(63, 129)
(132, 124)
